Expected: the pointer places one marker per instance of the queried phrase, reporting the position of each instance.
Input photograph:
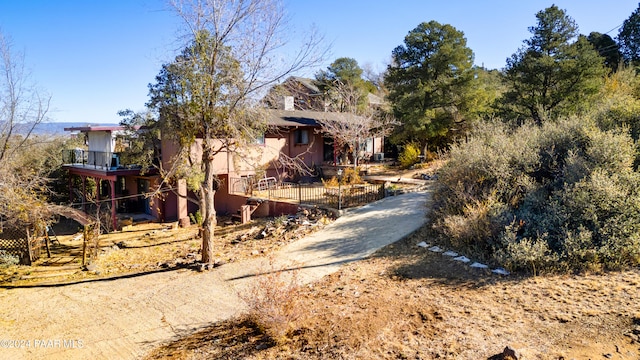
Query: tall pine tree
(556, 73)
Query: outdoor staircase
(243, 214)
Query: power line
(145, 195)
(614, 28)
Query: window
(260, 139)
(368, 145)
(301, 136)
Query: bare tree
(206, 97)
(353, 125)
(22, 108)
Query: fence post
(300, 193)
(339, 195)
(84, 246)
(29, 250)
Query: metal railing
(96, 159)
(340, 197)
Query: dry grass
(147, 248)
(406, 302)
(273, 302)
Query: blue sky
(97, 57)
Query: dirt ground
(409, 303)
(402, 303)
(150, 247)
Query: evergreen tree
(430, 83)
(556, 73)
(629, 38)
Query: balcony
(98, 160)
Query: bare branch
(353, 126)
(205, 98)
(22, 107)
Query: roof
(98, 128)
(306, 82)
(71, 213)
(295, 118)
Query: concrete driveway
(127, 317)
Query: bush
(272, 302)
(7, 259)
(350, 176)
(196, 218)
(410, 155)
(563, 196)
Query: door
(144, 201)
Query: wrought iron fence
(338, 197)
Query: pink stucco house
(123, 188)
(292, 134)
(120, 187)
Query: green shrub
(196, 218)
(410, 155)
(518, 253)
(563, 196)
(7, 259)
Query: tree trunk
(207, 205)
(356, 154)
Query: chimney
(287, 103)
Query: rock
(255, 252)
(91, 267)
(436, 249)
(500, 271)
(450, 253)
(507, 354)
(463, 259)
(218, 263)
(423, 244)
(479, 265)
(204, 267)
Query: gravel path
(126, 318)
